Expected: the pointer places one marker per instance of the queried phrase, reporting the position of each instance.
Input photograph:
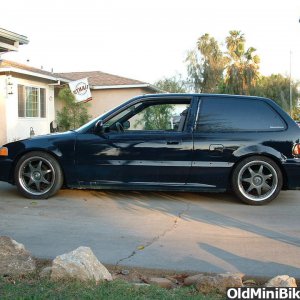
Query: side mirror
(99, 128)
(126, 125)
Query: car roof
(183, 95)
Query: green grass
(32, 288)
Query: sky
(148, 40)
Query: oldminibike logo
(81, 88)
(260, 293)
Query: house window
(31, 102)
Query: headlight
(3, 151)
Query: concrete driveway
(181, 231)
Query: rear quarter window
(229, 115)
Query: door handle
(172, 142)
(216, 147)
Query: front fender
(61, 146)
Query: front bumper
(6, 169)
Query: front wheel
(38, 175)
(257, 180)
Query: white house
(26, 101)
(28, 97)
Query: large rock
(282, 281)
(192, 280)
(218, 283)
(79, 264)
(14, 258)
(161, 282)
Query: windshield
(91, 123)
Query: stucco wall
(2, 110)
(104, 100)
(19, 128)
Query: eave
(25, 72)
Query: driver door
(147, 144)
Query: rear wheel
(257, 180)
(38, 175)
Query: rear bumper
(292, 170)
(6, 168)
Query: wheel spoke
(251, 171)
(260, 171)
(38, 185)
(31, 167)
(31, 182)
(27, 175)
(46, 171)
(268, 176)
(44, 180)
(250, 188)
(249, 180)
(266, 187)
(258, 189)
(39, 167)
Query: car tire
(38, 175)
(256, 180)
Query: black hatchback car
(181, 142)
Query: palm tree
(242, 71)
(213, 62)
(206, 65)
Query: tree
(173, 84)
(242, 70)
(277, 87)
(158, 117)
(205, 65)
(73, 114)
(211, 70)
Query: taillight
(296, 149)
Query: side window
(151, 116)
(228, 115)
(160, 117)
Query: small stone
(138, 284)
(249, 282)
(125, 272)
(192, 280)
(46, 272)
(161, 282)
(282, 281)
(172, 279)
(219, 283)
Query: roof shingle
(12, 64)
(97, 78)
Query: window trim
(155, 101)
(200, 106)
(39, 88)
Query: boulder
(14, 258)
(161, 282)
(46, 272)
(80, 264)
(282, 281)
(192, 280)
(218, 283)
